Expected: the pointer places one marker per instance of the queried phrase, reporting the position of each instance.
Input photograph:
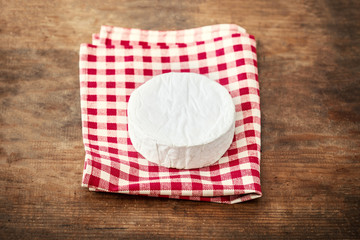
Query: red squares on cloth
(220, 52)
(240, 62)
(197, 186)
(246, 106)
(155, 186)
(91, 84)
(232, 151)
(91, 58)
(129, 58)
(244, 91)
(130, 85)
(182, 45)
(163, 46)
(91, 71)
(129, 71)
(204, 70)
(112, 139)
(110, 84)
(224, 81)
(146, 59)
(92, 125)
(184, 58)
(238, 48)
(202, 56)
(91, 98)
(115, 172)
(110, 71)
(111, 98)
(236, 174)
(222, 67)
(165, 59)
(108, 42)
(134, 178)
(111, 126)
(148, 72)
(110, 58)
(113, 150)
(176, 185)
(242, 76)
(250, 133)
(94, 180)
(118, 61)
(133, 154)
(91, 111)
(92, 137)
(248, 120)
(111, 112)
(122, 42)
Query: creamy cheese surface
(181, 120)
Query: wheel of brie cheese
(181, 120)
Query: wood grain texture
(309, 58)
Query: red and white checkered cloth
(120, 60)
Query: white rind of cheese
(181, 120)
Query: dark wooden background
(309, 72)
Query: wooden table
(308, 54)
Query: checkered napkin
(120, 60)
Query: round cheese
(181, 120)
